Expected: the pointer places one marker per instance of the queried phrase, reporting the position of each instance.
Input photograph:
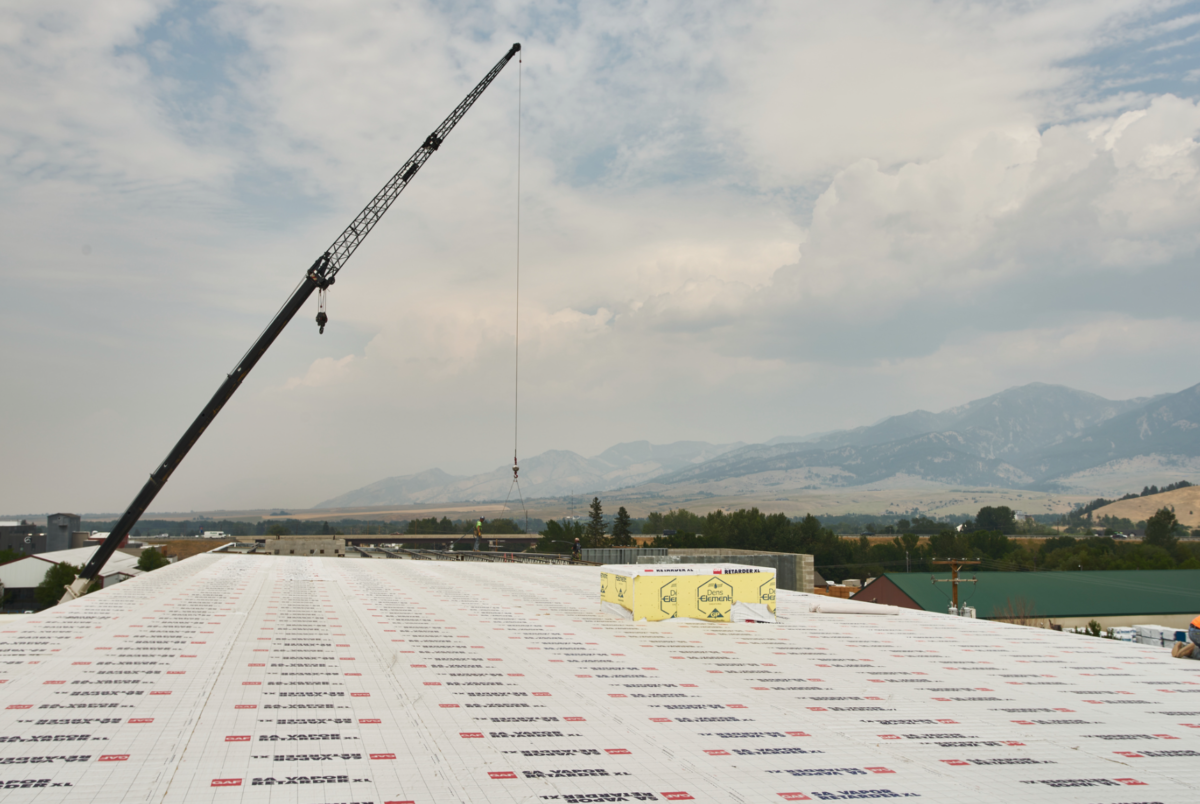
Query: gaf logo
(542, 694)
(716, 752)
(113, 757)
(54, 682)
(19, 706)
(141, 720)
(369, 720)
(360, 695)
(470, 734)
(246, 706)
(573, 719)
(501, 775)
(251, 683)
(616, 750)
(678, 795)
(448, 706)
(382, 756)
(160, 692)
(226, 783)
(238, 738)
(794, 797)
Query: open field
(1186, 503)
(831, 502)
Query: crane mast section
(350, 239)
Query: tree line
(987, 537)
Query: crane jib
(317, 278)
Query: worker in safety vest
(1189, 649)
(478, 531)
(576, 549)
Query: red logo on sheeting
(794, 797)
(160, 692)
(141, 720)
(678, 795)
(54, 682)
(246, 706)
(616, 751)
(716, 752)
(573, 719)
(382, 756)
(1128, 781)
(251, 683)
(238, 738)
(226, 783)
(113, 757)
(470, 734)
(436, 684)
(880, 770)
(369, 720)
(448, 706)
(360, 695)
(542, 694)
(19, 706)
(501, 775)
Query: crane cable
(516, 481)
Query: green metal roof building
(1115, 598)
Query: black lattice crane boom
(318, 277)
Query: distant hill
(1185, 503)
(554, 473)
(1035, 436)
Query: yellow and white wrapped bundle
(708, 592)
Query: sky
(736, 222)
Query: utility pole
(955, 564)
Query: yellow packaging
(712, 593)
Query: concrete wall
(304, 546)
(793, 571)
(619, 555)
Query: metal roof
(1057, 594)
(241, 679)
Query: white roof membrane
(306, 680)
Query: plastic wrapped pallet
(707, 592)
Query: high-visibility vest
(1196, 622)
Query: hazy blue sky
(739, 221)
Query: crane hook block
(433, 142)
(322, 320)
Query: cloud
(736, 222)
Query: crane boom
(318, 277)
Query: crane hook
(322, 318)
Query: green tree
(653, 524)
(7, 555)
(278, 530)
(559, 537)
(999, 519)
(57, 579)
(151, 559)
(595, 534)
(620, 531)
(1160, 529)
(910, 540)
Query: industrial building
(239, 678)
(61, 533)
(1115, 598)
(19, 578)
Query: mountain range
(1037, 436)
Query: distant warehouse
(1071, 599)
